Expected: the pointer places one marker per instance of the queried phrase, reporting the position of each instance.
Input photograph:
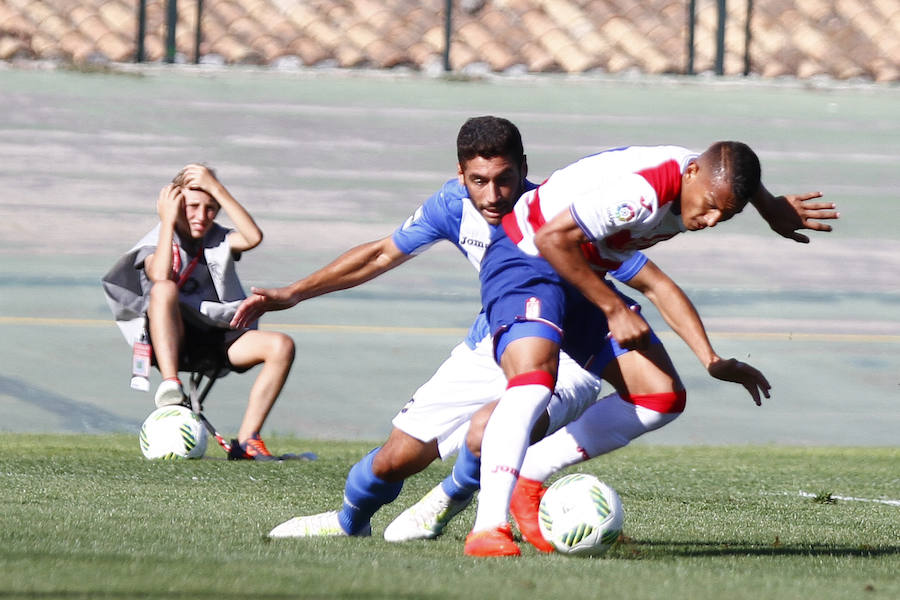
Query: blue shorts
(523, 296)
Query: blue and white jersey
(450, 215)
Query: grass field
(87, 517)
(328, 160)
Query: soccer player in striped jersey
(544, 288)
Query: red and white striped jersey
(623, 200)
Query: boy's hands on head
(199, 177)
(170, 204)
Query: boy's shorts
(204, 346)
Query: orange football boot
(525, 507)
(492, 542)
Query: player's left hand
(799, 211)
(734, 370)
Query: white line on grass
(850, 498)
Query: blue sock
(364, 494)
(465, 478)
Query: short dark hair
(489, 137)
(739, 163)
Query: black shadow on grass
(643, 548)
(77, 416)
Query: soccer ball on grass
(581, 515)
(173, 432)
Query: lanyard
(176, 265)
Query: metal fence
(837, 38)
(448, 9)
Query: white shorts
(442, 407)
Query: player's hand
(799, 211)
(734, 370)
(261, 301)
(170, 204)
(629, 329)
(199, 177)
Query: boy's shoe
(492, 542)
(253, 449)
(525, 506)
(169, 393)
(426, 519)
(321, 525)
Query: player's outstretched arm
(354, 267)
(679, 312)
(791, 212)
(261, 301)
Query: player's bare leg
(402, 456)
(275, 351)
(166, 331)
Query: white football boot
(168, 393)
(324, 524)
(426, 519)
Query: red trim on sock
(533, 378)
(524, 482)
(173, 379)
(669, 402)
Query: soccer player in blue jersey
(492, 171)
(466, 211)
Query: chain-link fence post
(171, 20)
(721, 17)
(141, 30)
(198, 33)
(691, 28)
(448, 30)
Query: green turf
(88, 517)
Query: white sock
(503, 446)
(609, 424)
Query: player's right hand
(170, 204)
(629, 329)
(261, 301)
